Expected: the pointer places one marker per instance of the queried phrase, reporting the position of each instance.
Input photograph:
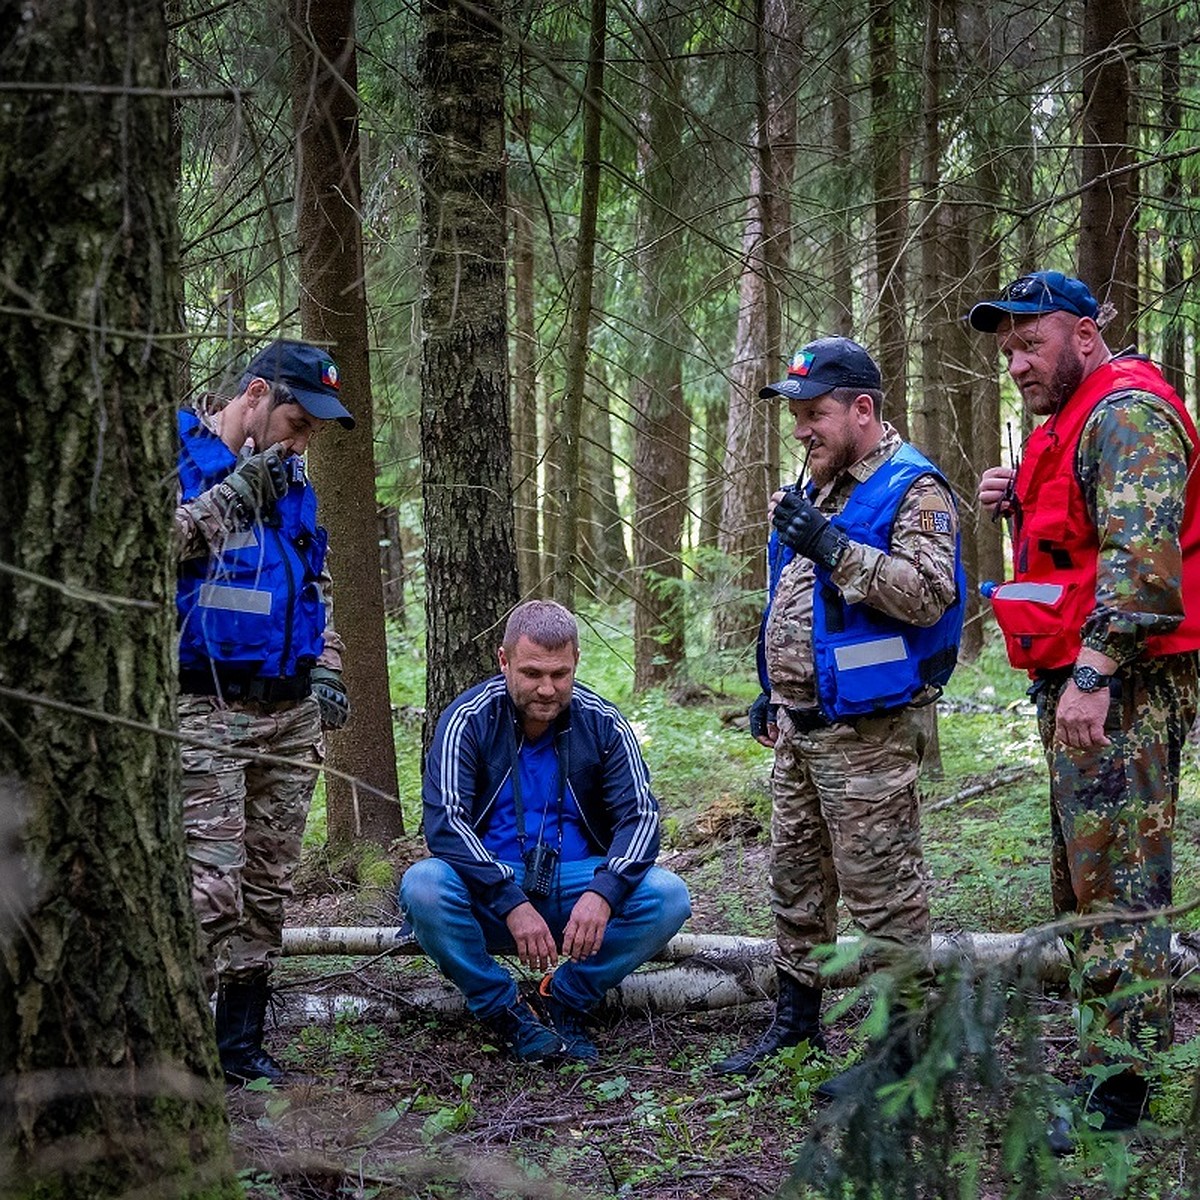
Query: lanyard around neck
(560, 747)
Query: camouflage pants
(1112, 810)
(845, 822)
(243, 822)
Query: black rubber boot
(797, 1019)
(885, 1063)
(1121, 1100)
(241, 1012)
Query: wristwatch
(1088, 679)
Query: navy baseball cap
(308, 372)
(1041, 292)
(821, 366)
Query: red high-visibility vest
(1055, 545)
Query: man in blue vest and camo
(860, 632)
(259, 670)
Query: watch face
(1088, 679)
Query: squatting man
(543, 833)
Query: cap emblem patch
(329, 375)
(801, 363)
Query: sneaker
(570, 1024)
(527, 1039)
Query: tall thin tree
(1107, 234)
(757, 354)
(571, 415)
(660, 464)
(333, 312)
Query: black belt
(805, 720)
(241, 686)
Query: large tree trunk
(466, 446)
(758, 350)
(1107, 235)
(660, 463)
(110, 1084)
(333, 311)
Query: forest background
(556, 251)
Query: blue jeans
(461, 937)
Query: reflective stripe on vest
(232, 599)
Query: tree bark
(839, 310)
(891, 212)
(109, 1083)
(1107, 233)
(525, 409)
(466, 444)
(611, 557)
(1175, 334)
(333, 312)
(570, 428)
(927, 422)
(660, 461)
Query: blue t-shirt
(538, 764)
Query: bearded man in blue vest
(259, 670)
(860, 632)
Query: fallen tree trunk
(717, 971)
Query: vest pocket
(1031, 618)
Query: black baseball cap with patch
(821, 366)
(1031, 295)
(308, 372)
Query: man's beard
(826, 469)
(1068, 375)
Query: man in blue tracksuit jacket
(544, 832)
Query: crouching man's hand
(535, 946)
(585, 929)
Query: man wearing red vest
(1104, 613)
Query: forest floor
(398, 1101)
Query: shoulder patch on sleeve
(935, 516)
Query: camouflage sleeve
(202, 524)
(1133, 463)
(334, 648)
(914, 580)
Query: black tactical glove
(331, 697)
(762, 713)
(804, 528)
(257, 482)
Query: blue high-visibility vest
(255, 603)
(864, 660)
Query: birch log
(711, 971)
